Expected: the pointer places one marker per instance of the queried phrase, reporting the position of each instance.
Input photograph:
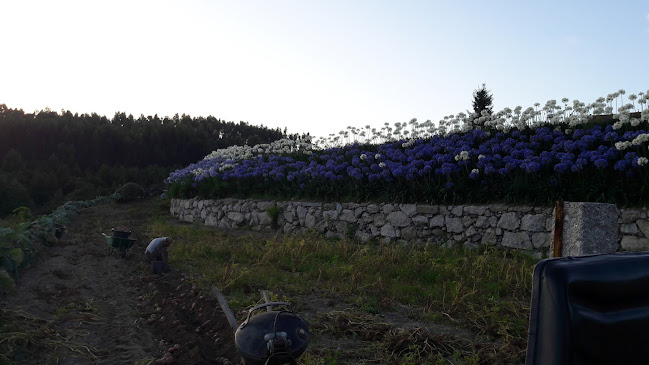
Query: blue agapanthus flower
(620, 165)
(601, 163)
(560, 167)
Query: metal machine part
(274, 337)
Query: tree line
(48, 157)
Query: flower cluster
(475, 154)
(281, 146)
(497, 158)
(573, 114)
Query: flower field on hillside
(488, 159)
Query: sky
(316, 66)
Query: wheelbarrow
(120, 244)
(274, 337)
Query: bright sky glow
(316, 66)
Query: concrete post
(589, 228)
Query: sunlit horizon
(316, 67)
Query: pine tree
(482, 101)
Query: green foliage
(130, 192)
(11, 259)
(482, 101)
(351, 230)
(79, 189)
(12, 195)
(6, 281)
(88, 155)
(13, 247)
(273, 213)
(23, 214)
(17, 242)
(12, 161)
(425, 190)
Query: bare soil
(83, 304)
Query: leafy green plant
(351, 230)
(273, 213)
(23, 214)
(10, 260)
(16, 242)
(129, 192)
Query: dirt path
(82, 305)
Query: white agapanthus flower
(227, 166)
(640, 139)
(363, 156)
(408, 144)
(642, 161)
(623, 145)
(572, 114)
(382, 164)
(463, 156)
(246, 152)
(199, 171)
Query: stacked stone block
(634, 229)
(519, 227)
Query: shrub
(130, 192)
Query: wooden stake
(226, 309)
(264, 294)
(558, 228)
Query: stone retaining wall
(527, 228)
(519, 227)
(633, 230)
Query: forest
(49, 157)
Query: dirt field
(82, 304)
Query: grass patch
(485, 290)
(273, 212)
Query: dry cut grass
(485, 291)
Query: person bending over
(158, 250)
